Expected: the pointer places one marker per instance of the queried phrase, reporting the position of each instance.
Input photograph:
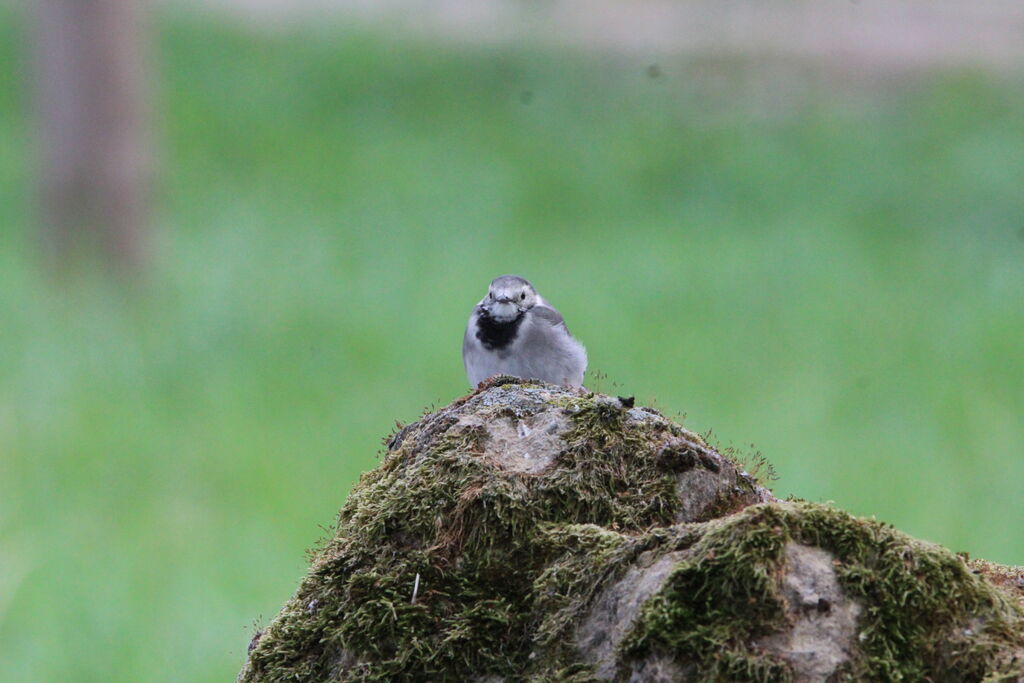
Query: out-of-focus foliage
(837, 277)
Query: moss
(1008, 579)
(588, 557)
(918, 597)
(505, 565)
(470, 532)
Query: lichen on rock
(532, 532)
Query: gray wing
(550, 316)
(478, 363)
(552, 353)
(469, 340)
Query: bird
(514, 331)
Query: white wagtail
(514, 331)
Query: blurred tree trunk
(96, 159)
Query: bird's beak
(502, 309)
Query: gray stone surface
(615, 611)
(823, 620)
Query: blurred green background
(829, 268)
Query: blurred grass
(838, 278)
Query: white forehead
(510, 282)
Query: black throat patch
(496, 335)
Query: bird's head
(508, 297)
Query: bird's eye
(522, 296)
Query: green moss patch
(451, 561)
(925, 614)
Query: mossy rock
(531, 532)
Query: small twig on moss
(415, 588)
